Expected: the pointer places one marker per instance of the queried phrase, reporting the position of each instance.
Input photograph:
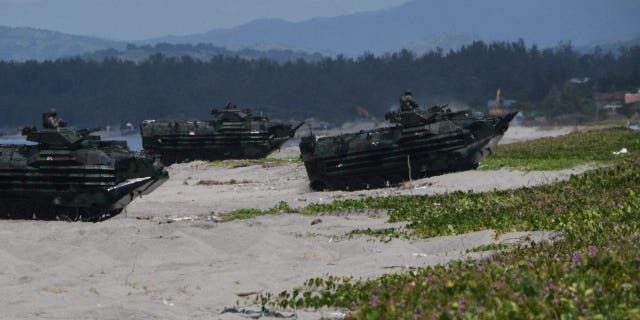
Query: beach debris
(334, 315)
(54, 290)
(212, 217)
(622, 151)
(167, 302)
(205, 217)
(401, 267)
(219, 183)
(248, 293)
(316, 221)
(264, 312)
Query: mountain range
(543, 22)
(20, 44)
(418, 25)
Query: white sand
(130, 269)
(520, 134)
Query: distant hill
(544, 22)
(202, 52)
(20, 44)
(418, 25)
(445, 42)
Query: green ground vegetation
(264, 162)
(591, 147)
(239, 214)
(489, 247)
(591, 272)
(608, 123)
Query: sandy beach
(132, 268)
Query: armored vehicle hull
(71, 177)
(421, 145)
(180, 141)
(232, 134)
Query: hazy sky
(140, 19)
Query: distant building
(504, 103)
(610, 102)
(499, 105)
(632, 97)
(608, 97)
(611, 109)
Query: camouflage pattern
(422, 143)
(71, 175)
(232, 134)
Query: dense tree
(568, 98)
(97, 93)
(629, 110)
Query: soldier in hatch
(407, 103)
(50, 120)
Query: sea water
(134, 141)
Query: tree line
(92, 93)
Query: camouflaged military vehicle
(232, 134)
(422, 143)
(72, 175)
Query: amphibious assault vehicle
(72, 175)
(232, 134)
(422, 143)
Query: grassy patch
(386, 234)
(533, 165)
(608, 123)
(264, 162)
(591, 273)
(281, 207)
(563, 152)
(487, 247)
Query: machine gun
(27, 130)
(293, 131)
(86, 132)
(416, 116)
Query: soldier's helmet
(52, 112)
(408, 92)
